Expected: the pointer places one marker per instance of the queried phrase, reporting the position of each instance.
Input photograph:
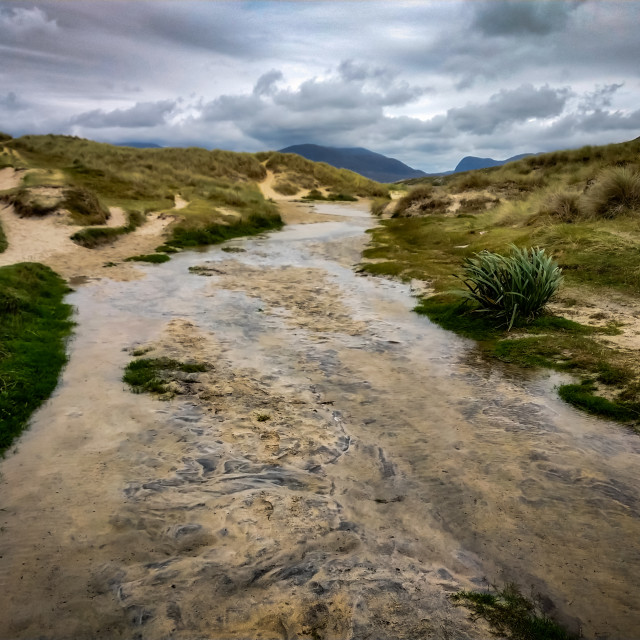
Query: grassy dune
(298, 175)
(85, 177)
(582, 206)
(142, 180)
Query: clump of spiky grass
(513, 287)
(616, 192)
(563, 206)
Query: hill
(220, 188)
(367, 163)
(470, 163)
(139, 145)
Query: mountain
(367, 163)
(138, 145)
(469, 163)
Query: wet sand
(340, 468)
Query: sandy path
(291, 209)
(9, 178)
(47, 240)
(266, 186)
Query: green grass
(92, 237)
(192, 235)
(34, 326)
(3, 240)
(550, 342)
(165, 248)
(155, 258)
(582, 206)
(511, 615)
(152, 375)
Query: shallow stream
(342, 466)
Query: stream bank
(392, 468)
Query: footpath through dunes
(331, 466)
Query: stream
(341, 467)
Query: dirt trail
(340, 467)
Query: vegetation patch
(28, 203)
(155, 258)
(85, 207)
(555, 343)
(3, 240)
(92, 237)
(34, 326)
(165, 248)
(517, 286)
(194, 234)
(314, 195)
(153, 375)
(582, 207)
(512, 615)
(286, 188)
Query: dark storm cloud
(266, 83)
(141, 115)
(427, 81)
(518, 18)
(506, 107)
(11, 102)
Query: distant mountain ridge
(367, 163)
(138, 144)
(469, 163)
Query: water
(390, 466)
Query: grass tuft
(154, 258)
(152, 375)
(615, 193)
(512, 615)
(514, 287)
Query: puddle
(389, 466)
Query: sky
(424, 82)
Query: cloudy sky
(425, 82)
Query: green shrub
(28, 204)
(84, 207)
(285, 188)
(378, 205)
(155, 258)
(471, 180)
(511, 287)
(314, 194)
(564, 206)
(616, 192)
(420, 197)
(93, 237)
